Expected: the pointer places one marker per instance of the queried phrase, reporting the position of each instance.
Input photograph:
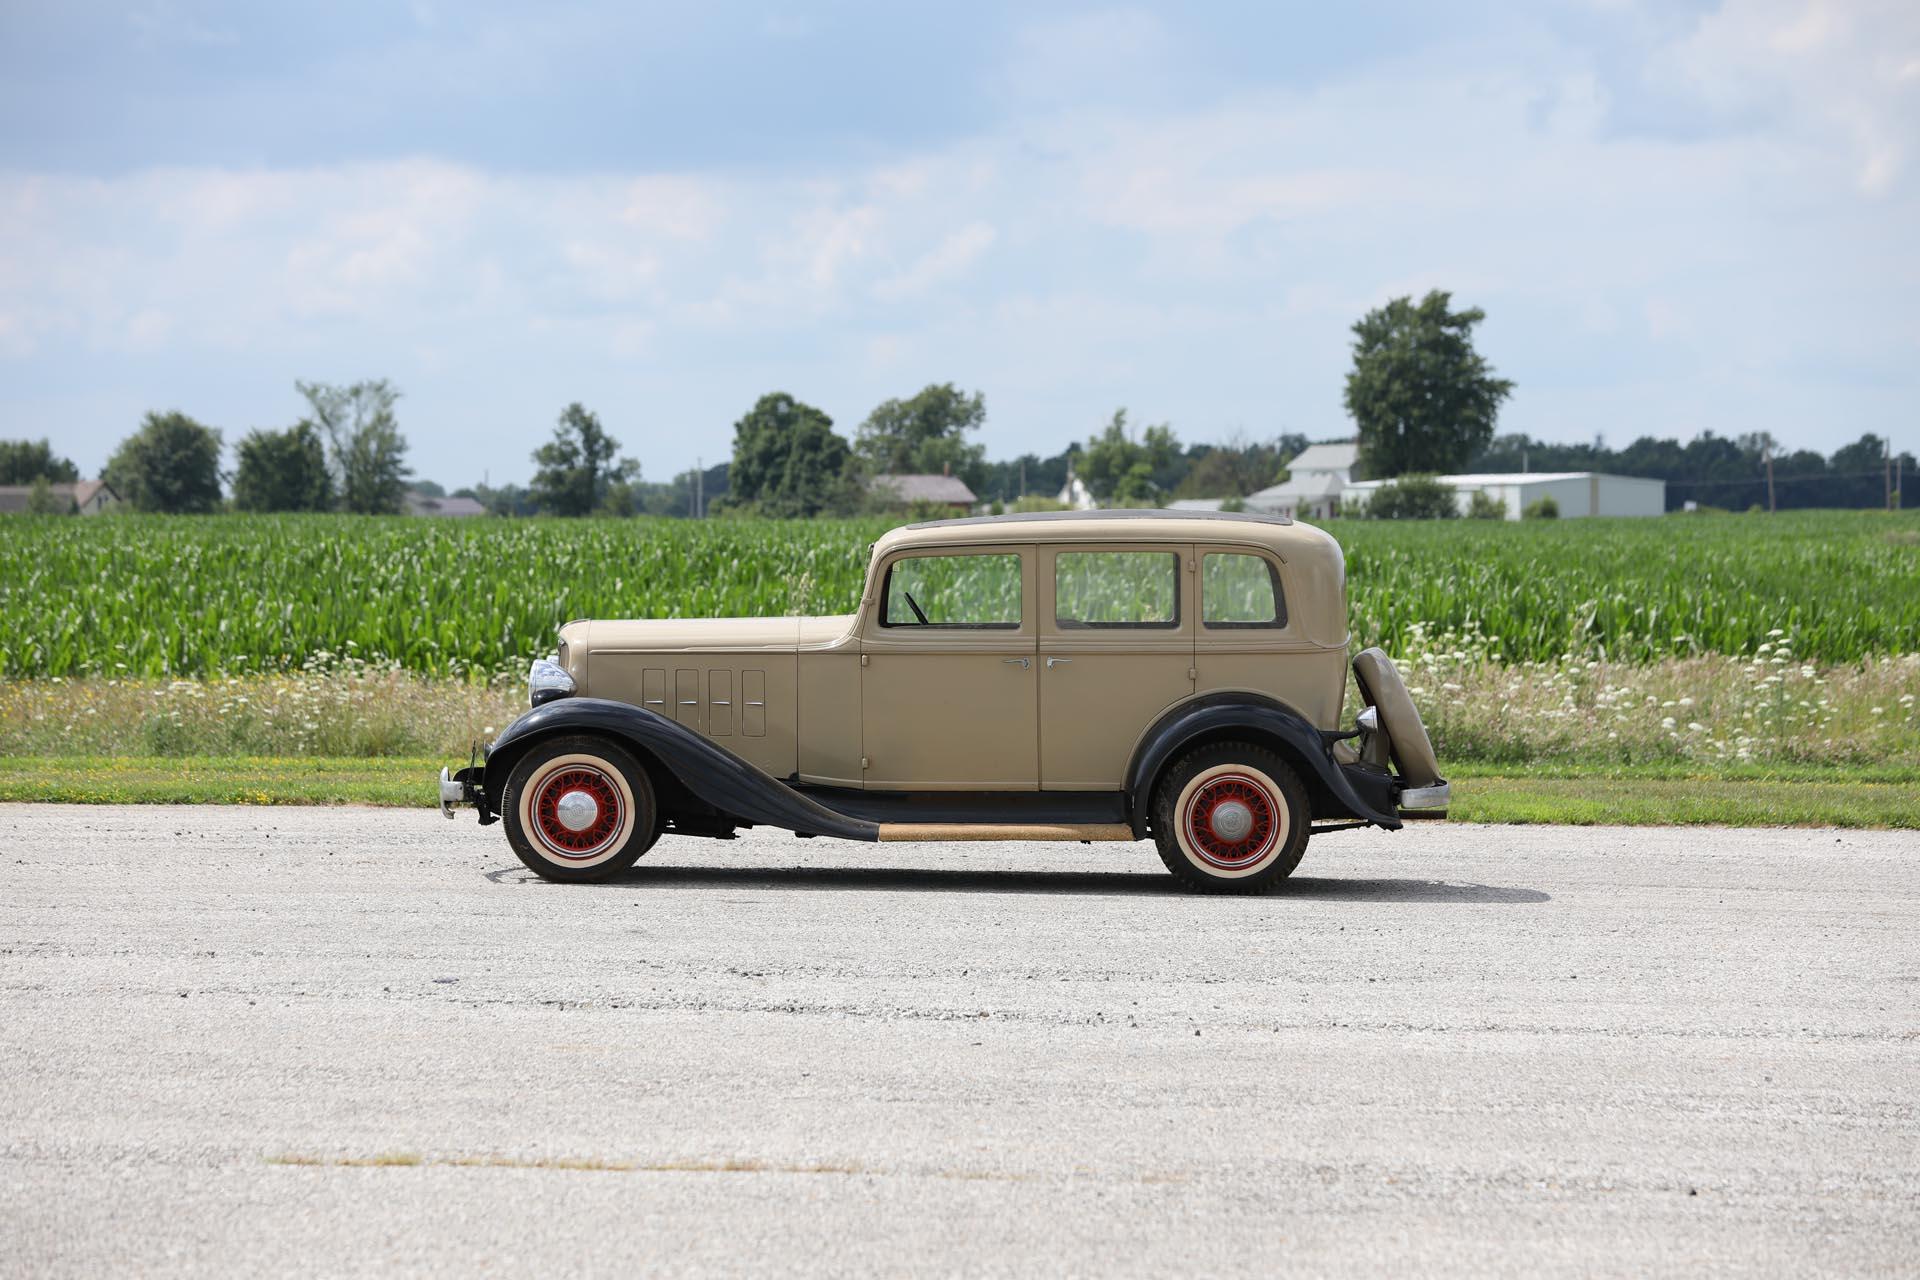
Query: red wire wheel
(1230, 822)
(576, 812)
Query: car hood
(688, 635)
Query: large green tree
(926, 434)
(283, 471)
(578, 474)
(1238, 468)
(1422, 397)
(366, 451)
(1125, 472)
(172, 464)
(788, 461)
(24, 461)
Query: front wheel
(1231, 818)
(579, 808)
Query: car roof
(1278, 532)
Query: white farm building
(1315, 480)
(1576, 493)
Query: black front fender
(713, 774)
(1214, 715)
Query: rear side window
(977, 591)
(1240, 591)
(1108, 589)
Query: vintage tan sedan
(1116, 675)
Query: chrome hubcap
(1231, 821)
(576, 810)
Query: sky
(1678, 217)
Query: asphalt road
(275, 1040)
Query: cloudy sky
(1678, 217)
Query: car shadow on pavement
(1093, 883)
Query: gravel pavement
(245, 1041)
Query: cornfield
(158, 596)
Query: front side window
(1238, 590)
(1110, 589)
(978, 591)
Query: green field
(195, 596)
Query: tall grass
(159, 596)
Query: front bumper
(460, 787)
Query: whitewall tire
(1231, 817)
(579, 808)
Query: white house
(1316, 478)
(87, 498)
(1575, 493)
(1074, 495)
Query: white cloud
(1200, 263)
(948, 260)
(1815, 68)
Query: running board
(1083, 831)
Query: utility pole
(1889, 473)
(699, 488)
(1023, 477)
(1771, 508)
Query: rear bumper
(1424, 802)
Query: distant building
(87, 498)
(1074, 494)
(1316, 478)
(425, 504)
(1575, 493)
(911, 490)
(1197, 504)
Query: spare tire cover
(1407, 741)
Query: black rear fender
(1240, 717)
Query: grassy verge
(1637, 795)
(386, 780)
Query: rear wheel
(1231, 818)
(579, 808)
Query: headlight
(547, 680)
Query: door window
(1239, 590)
(1116, 589)
(963, 591)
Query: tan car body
(848, 702)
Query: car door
(1116, 649)
(948, 690)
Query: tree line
(1422, 399)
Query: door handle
(1024, 663)
(1055, 662)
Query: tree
(171, 464)
(925, 435)
(788, 461)
(41, 500)
(507, 500)
(366, 452)
(283, 471)
(1422, 397)
(1237, 468)
(1122, 471)
(577, 473)
(1413, 497)
(1544, 508)
(1484, 506)
(24, 461)
(1028, 475)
